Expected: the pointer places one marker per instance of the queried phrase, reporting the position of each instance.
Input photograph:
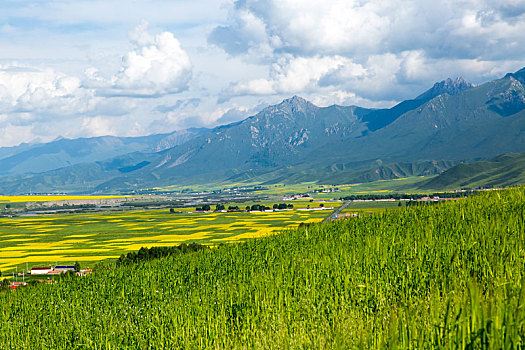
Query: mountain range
(293, 141)
(42, 157)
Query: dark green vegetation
(145, 253)
(444, 276)
(411, 196)
(296, 141)
(504, 170)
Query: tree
(77, 266)
(172, 210)
(276, 206)
(290, 206)
(247, 208)
(219, 207)
(321, 205)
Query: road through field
(334, 214)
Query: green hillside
(442, 276)
(478, 123)
(339, 173)
(504, 170)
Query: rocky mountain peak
(448, 86)
(290, 107)
(296, 104)
(519, 75)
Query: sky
(84, 68)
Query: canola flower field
(89, 238)
(53, 198)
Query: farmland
(49, 198)
(443, 276)
(89, 238)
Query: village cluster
(50, 271)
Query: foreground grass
(443, 276)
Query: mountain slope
(504, 170)
(282, 135)
(476, 123)
(378, 119)
(40, 158)
(276, 136)
(79, 178)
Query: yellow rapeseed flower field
(52, 198)
(89, 238)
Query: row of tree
(145, 254)
(254, 207)
(262, 207)
(413, 196)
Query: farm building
(65, 268)
(41, 270)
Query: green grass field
(408, 184)
(444, 276)
(89, 238)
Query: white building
(41, 270)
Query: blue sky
(91, 67)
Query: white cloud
(157, 66)
(12, 135)
(29, 89)
(361, 28)
(290, 75)
(378, 51)
(40, 101)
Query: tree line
(231, 208)
(412, 196)
(145, 254)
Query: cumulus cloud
(291, 74)
(355, 27)
(41, 101)
(156, 66)
(381, 78)
(377, 50)
(33, 90)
